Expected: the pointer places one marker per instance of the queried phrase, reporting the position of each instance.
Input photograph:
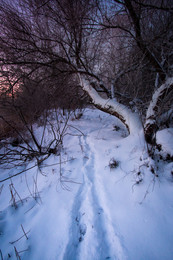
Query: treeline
(123, 49)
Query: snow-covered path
(93, 235)
(82, 209)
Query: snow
(165, 139)
(86, 209)
(151, 111)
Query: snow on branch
(157, 98)
(131, 120)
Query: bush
(113, 164)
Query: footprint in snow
(82, 231)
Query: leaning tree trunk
(130, 119)
(151, 125)
(142, 134)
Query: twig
(28, 187)
(12, 197)
(29, 210)
(13, 242)
(76, 129)
(12, 176)
(35, 190)
(17, 254)
(16, 192)
(24, 232)
(25, 250)
(148, 188)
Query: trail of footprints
(92, 235)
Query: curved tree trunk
(130, 119)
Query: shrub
(113, 164)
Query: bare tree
(98, 46)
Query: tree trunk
(130, 119)
(158, 97)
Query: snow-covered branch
(156, 99)
(131, 120)
(158, 96)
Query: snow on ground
(165, 139)
(101, 202)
